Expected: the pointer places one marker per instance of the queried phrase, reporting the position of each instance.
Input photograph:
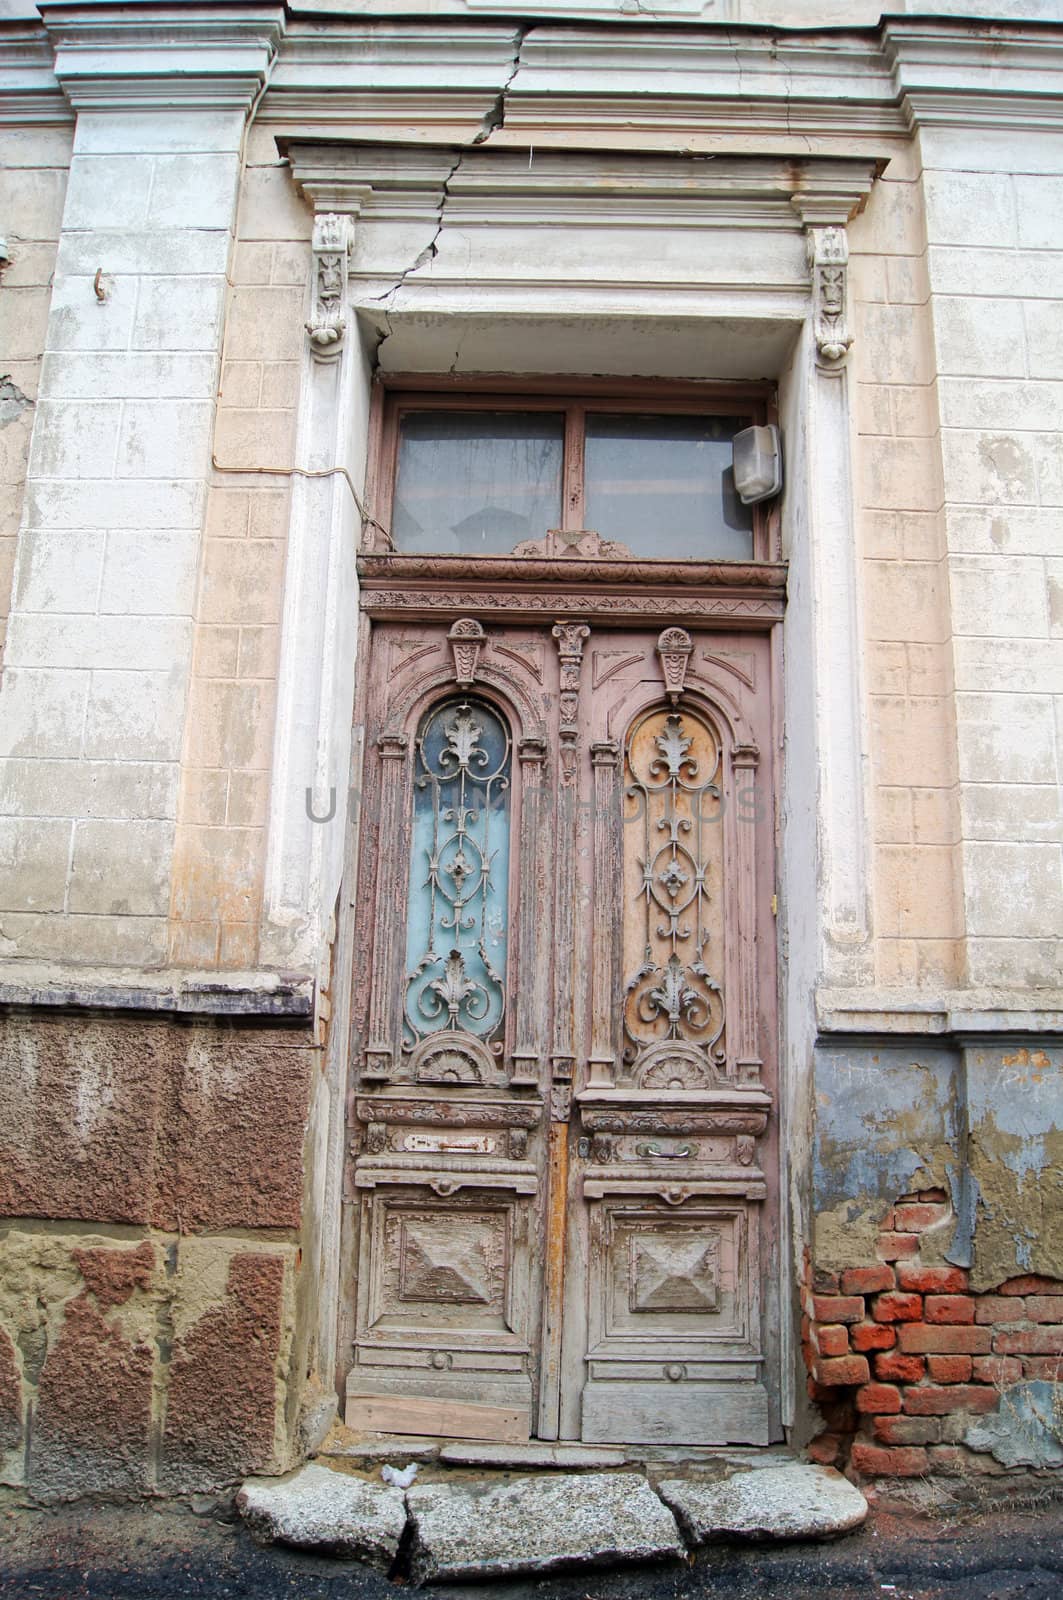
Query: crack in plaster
(493, 119)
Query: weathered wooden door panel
(448, 1146)
(564, 1120)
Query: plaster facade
(184, 489)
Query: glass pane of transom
(477, 482)
(663, 486)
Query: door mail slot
(465, 1144)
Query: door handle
(681, 1153)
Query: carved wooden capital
(605, 753)
(745, 756)
(327, 325)
(392, 744)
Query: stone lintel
(174, 991)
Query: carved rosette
(828, 257)
(327, 325)
(466, 641)
(674, 647)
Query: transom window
(486, 473)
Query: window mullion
(573, 501)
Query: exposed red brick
(996, 1369)
(998, 1308)
(112, 1275)
(831, 1339)
(846, 1370)
(878, 1399)
(949, 1369)
(1050, 1367)
(10, 1396)
(1031, 1285)
(825, 1450)
(1044, 1308)
(901, 1369)
(1042, 1341)
(868, 1280)
(92, 1425)
(917, 1338)
(898, 1307)
(929, 1400)
(931, 1280)
(953, 1461)
(949, 1308)
(907, 1430)
(873, 1336)
(221, 1403)
(896, 1246)
(924, 1195)
(919, 1216)
(876, 1461)
(837, 1308)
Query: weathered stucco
(985, 1125)
(1015, 1108)
(887, 1124)
(154, 1175)
(177, 1126)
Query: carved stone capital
(327, 326)
(392, 744)
(828, 257)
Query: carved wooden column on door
(570, 637)
(744, 761)
(608, 871)
(379, 1055)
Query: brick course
(909, 1355)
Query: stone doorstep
(466, 1524)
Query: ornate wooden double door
(561, 1185)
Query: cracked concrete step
(526, 1457)
(328, 1511)
(537, 1524)
(785, 1502)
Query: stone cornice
(961, 1016)
(383, 177)
(979, 75)
(29, 89)
(162, 57)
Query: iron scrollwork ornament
(673, 1002)
(455, 998)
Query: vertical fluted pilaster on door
(744, 762)
(605, 953)
(529, 991)
(383, 1021)
(570, 637)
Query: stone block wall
(152, 1234)
(223, 803)
(916, 881)
(33, 175)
